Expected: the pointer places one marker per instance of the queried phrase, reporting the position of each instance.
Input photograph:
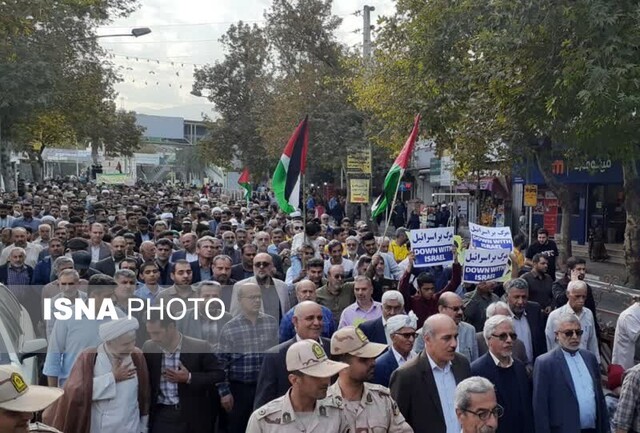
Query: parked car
(18, 343)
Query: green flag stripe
(391, 183)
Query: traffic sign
(531, 195)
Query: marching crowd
(325, 326)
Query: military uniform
(39, 427)
(279, 416)
(376, 412)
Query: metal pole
(530, 223)
(366, 31)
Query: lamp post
(136, 33)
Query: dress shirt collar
(571, 310)
(401, 359)
(497, 361)
(434, 366)
(176, 350)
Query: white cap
(308, 357)
(166, 216)
(17, 396)
(295, 214)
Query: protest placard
(484, 265)
(432, 247)
(489, 238)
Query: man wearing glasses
(509, 375)
(402, 329)
(567, 395)
(576, 295)
(476, 408)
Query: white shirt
(95, 253)
(446, 385)
(400, 359)
(588, 341)
(627, 332)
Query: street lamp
(136, 33)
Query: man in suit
(528, 322)
(418, 385)
(402, 329)
(42, 272)
(392, 305)
(567, 395)
(204, 327)
(207, 248)
(518, 350)
(244, 269)
(108, 265)
(262, 241)
(142, 234)
(273, 379)
(98, 249)
(275, 293)
(188, 251)
(183, 373)
(507, 374)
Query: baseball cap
(352, 340)
(308, 357)
(17, 396)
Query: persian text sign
(114, 179)
(432, 247)
(359, 189)
(484, 265)
(488, 238)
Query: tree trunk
(563, 193)
(6, 168)
(632, 231)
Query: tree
(237, 86)
(548, 78)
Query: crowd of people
(317, 325)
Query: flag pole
(304, 208)
(388, 218)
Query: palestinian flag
(287, 177)
(392, 181)
(245, 182)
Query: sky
(157, 69)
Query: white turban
(115, 328)
(395, 323)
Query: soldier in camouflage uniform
(304, 407)
(368, 407)
(19, 401)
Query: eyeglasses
(297, 228)
(484, 414)
(571, 333)
(339, 277)
(504, 335)
(407, 335)
(454, 309)
(262, 264)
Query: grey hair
(516, 283)
(472, 385)
(360, 278)
(352, 238)
(576, 285)
(565, 318)
(201, 284)
(20, 249)
(127, 273)
(491, 309)
(205, 239)
(61, 261)
(392, 295)
(492, 323)
(72, 272)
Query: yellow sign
(531, 195)
(114, 179)
(359, 161)
(359, 190)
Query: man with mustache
(476, 406)
(367, 406)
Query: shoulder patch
(269, 409)
(379, 388)
(332, 401)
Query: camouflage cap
(352, 340)
(308, 357)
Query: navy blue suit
(374, 330)
(555, 405)
(487, 368)
(42, 272)
(385, 365)
(536, 324)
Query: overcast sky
(158, 68)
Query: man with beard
(275, 293)
(308, 323)
(216, 213)
(241, 237)
(19, 239)
(509, 375)
(147, 251)
(305, 406)
(5, 219)
(119, 252)
(221, 268)
(141, 231)
(42, 273)
(548, 249)
(182, 275)
(476, 406)
(367, 406)
(229, 247)
(244, 270)
(27, 219)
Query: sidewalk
(607, 272)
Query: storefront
(597, 199)
(493, 199)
